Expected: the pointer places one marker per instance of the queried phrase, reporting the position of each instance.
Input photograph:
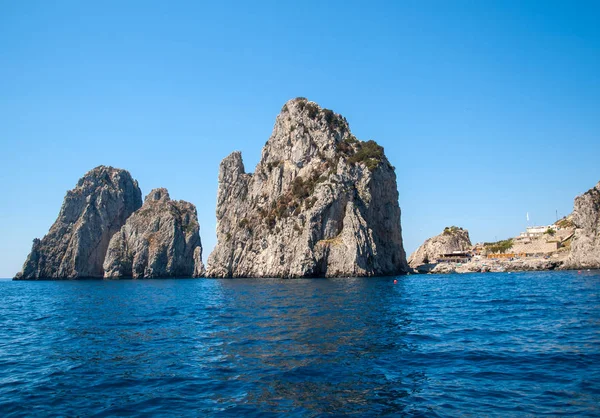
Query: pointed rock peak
(303, 110)
(231, 166)
(101, 169)
(234, 160)
(304, 131)
(158, 195)
(104, 175)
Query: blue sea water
(524, 344)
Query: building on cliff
(534, 231)
(455, 257)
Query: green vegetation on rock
(499, 246)
(449, 230)
(190, 227)
(312, 109)
(565, 223)
(369, 153)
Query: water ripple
(523, 344)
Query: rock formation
(585, 247)
(320, 203)
(452, 239)
(161, 239)
(91, 213)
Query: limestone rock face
(161, 239)
(91, 213)
(320, 203)
(585, 247)
(452, 239)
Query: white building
(535, 231)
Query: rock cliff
(585, 247)
(452, 239)
(161, 239)
(320, 203)
(91, 213)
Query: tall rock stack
(585, 248)
(91, 213)
(161, 239)
(320, 203)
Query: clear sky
(488, 110)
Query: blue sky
(488, 110)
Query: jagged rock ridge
(91, 213)
(451, 239)
(320, 203)
(585, 247)
(161, 239)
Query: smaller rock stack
(451, 239)
(91, 213)
(161, 239)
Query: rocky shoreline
(572, 243)
(484, 266)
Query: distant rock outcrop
(91, 213)
(585, 247)
(161, 239)
(452, 239)
(320, 203)
(498, 265)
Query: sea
(473, 345)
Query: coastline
(444, 269)
(496, 265)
